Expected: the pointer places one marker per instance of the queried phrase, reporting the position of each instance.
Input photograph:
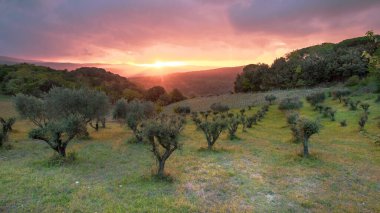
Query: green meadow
(261, 171)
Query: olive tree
(316, 98)
(219, 107)
(362, 121)
(58, 133)
(133, 114)
(365, 107)
(59, 116)
(307, 128)
(270, 98)
(233, 122)
(90, 105)
(162, 134)
(6, 128)
(292, 120)
(212, 129)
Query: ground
(261, 172)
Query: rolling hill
(195, 83)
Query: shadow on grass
(58, 161)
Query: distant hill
(195, 83)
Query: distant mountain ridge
(195, 83)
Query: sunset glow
(183, 34)
(162, 64)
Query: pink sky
(150, 36)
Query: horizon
(181, 36)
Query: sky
(156, 35)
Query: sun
(162, 64)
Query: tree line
(311, 66)
(35, 80)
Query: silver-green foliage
(133, 114)
(162, 134)
(61, 114)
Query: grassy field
(261, 172)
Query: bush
(316, 98)
(353, 81)
(183, 110)
(290, 104)
(270, 98)
(218, 107)
(162, 134)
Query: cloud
(190, 30)
(303, 17)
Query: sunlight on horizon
(162, 64)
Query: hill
(259, 172)
(36, 80)
(195, 83)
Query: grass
(261, 172)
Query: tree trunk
(161, 166)
(103, 122)
(305, 148)
(61, 151)
(209, 145)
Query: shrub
(290, 104)
(218, 107)
(307, 128)
(270, 98)
(212, 130)
(353, 81)
(162, 134)
(183, 110)
(343, 123)
(316, 98)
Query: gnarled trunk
(305, 148)
(161, 167)
(61, 151)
